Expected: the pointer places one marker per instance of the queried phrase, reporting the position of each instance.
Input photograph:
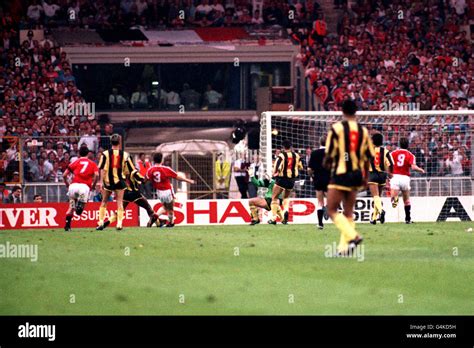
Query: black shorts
(116, 187)
(379, 178)
(347, 182)
(321, 183)
(132, 196)
(285, 183)
(269, 203)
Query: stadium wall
(303, 211)
(229, 212)
(52, 215)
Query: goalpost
(441, 139)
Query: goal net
(440, 140)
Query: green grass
(275, 262)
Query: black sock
(68, 220)
(142, 202)
(407, 212)
(320, 216)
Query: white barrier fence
(303, 211)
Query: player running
(285, 172)
(259, 202)
(381, 166)
(85, 174)
(348, 152)
(403, 161)
(160, 177)
(113, 164)
(320, 177)
(133, 195)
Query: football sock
(280, 213)
(150, 211)
(346, 227)
(286, 204)
(374, 214)
(408, 212)
(343, 245)
(102, 211)
(119, 217)
(395, 201)
(320, 216)
(113, 218)
(68, 219)
(143, 203)
(254, 212)
(377, 207)
(275, 209)
(352, 222)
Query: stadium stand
(384, 50)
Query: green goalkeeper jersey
(264, 183)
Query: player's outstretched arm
(183, 178)
(257, 182)
(417, 169)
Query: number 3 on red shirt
(157, 177)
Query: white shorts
(165, 196)
(400, 182)
(79, 192)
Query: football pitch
(424, 268)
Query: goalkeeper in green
(263, 202)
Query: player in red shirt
(160, 176)
(85, 174)
(403, 161)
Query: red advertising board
(52, 215)
(304, 211)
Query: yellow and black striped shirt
(287, 165)
(348, 147)
(382, 160)
(134, 180)
(117, 164)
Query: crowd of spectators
(113, 14)
(35, 83)
(441, 145)
(400, 55)
(393, 52)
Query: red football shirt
(402, 161)
(83, 170)
(161, 176)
